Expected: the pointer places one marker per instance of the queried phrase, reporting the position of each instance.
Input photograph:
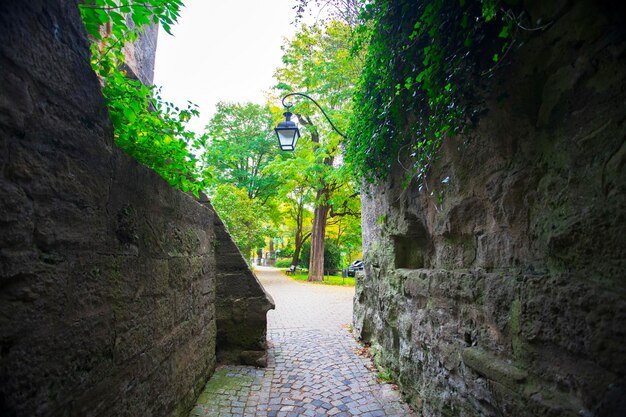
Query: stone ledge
(493, 367)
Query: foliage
(239, 147)
(421, 78)
(385, 375)
(328, 280)
(241, 144)
(243, 217)
(318, 62)
(305, 255)
(156, 138)
(294, 195)
(346, 232)
(346, 11)
(283, 263)
(128, 15)
(285, 251)
(147, 128)
(332, 255)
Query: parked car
(355, 266)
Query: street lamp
(288, 132)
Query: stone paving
(312, 370)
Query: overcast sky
(222, 50)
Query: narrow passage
(313, 369)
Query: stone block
(494, 368)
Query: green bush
(332, 256)
(287, 252)
(305, 255)
(283, 263)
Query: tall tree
(346, 11)
(317, 61)
(296, 193)
(244, 218)
(239, 147)
(241, 144)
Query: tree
(243, 217)
(241, 144)
(346, 11)
(332, 256)
(239, 148)
(317, 61)
(295, 194)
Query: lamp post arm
(318, 106)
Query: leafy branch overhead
(241, 145)
(425, 61)
(146, 127)
(127, 15)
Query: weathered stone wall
(140, 55)
(107, 275)
(241, 305)
(498, 288)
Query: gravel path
(313, 369)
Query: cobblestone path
(312, 370)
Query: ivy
(146, 127)
(421, 79)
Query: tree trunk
(320, 215)
(318, 233)
(296, 253)
(299, 241)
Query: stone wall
(497, 288)
(241, 305)
(140, 55)
(107, 275)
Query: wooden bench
(291, 270)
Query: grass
(328, 279)
(385, 375)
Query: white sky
(222, 50)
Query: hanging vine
(421, 78)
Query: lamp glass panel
(287, 138)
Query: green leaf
(504, 33)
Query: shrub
(287, 252)
(283, 263)
(332, 256)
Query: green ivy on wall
(421, 79)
